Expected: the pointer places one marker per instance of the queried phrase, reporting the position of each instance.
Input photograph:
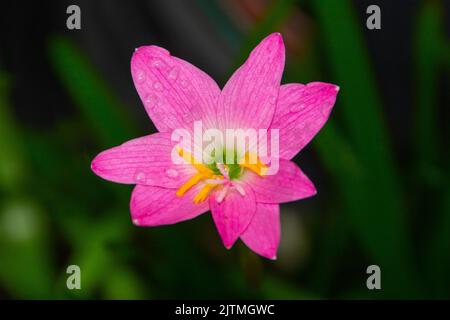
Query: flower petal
(301, 112)
(248, 100)
(233, 214)
(263, 233)
(154, 206)
(288, 184)
(146, 160)
(174, 92)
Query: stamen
(223, 170)
(201, 196)
(239, 188)
(189, 184)
(190, 159)
(259, 168)
(222, 193)
(203, 173)
(219, 180)
(213, 180)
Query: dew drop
(184, 83)
(151, 100)
(172, 173)
(140, 76)
(157, 86)
(273, 99)
(148, 100)
(157, 63)
(296, 107)
(139, 177)
(173, 74)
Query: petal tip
(313, 190)
(95, 166)
(275, 39)
(143, 54)
(228, 246)
(276, 36)
(228, 242)
(272, 44)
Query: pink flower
(244, 202)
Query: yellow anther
(189, 184)
(259, 167)
(212, 180)
(204, 192)
(201, 196)
(190, 159)
(202, 174)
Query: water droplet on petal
(184, 83)
(297, 107)
(239, 188)
(273, 99)
(172, 173)
(173, 74)
(157, 63)
(150, 100)
(140, 76)
(139, 177)
(157, 86)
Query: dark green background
(381, 164)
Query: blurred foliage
(373, 197)
(54, 212)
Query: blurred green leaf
(122, 283)
(430, 51)
(274, 288)
(12, 166)
(428, 59)
(26, 265)
(374, 201)
(92, 251)
(98, 105)
(276, 15)
(25, 268)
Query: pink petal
(233, 214)
(146, 160)
(249, 98)
(174, 92)
(153, 206)
(288, 184)
(263, 233)
(301, 112)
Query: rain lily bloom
(243, 200)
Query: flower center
(218, 175)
